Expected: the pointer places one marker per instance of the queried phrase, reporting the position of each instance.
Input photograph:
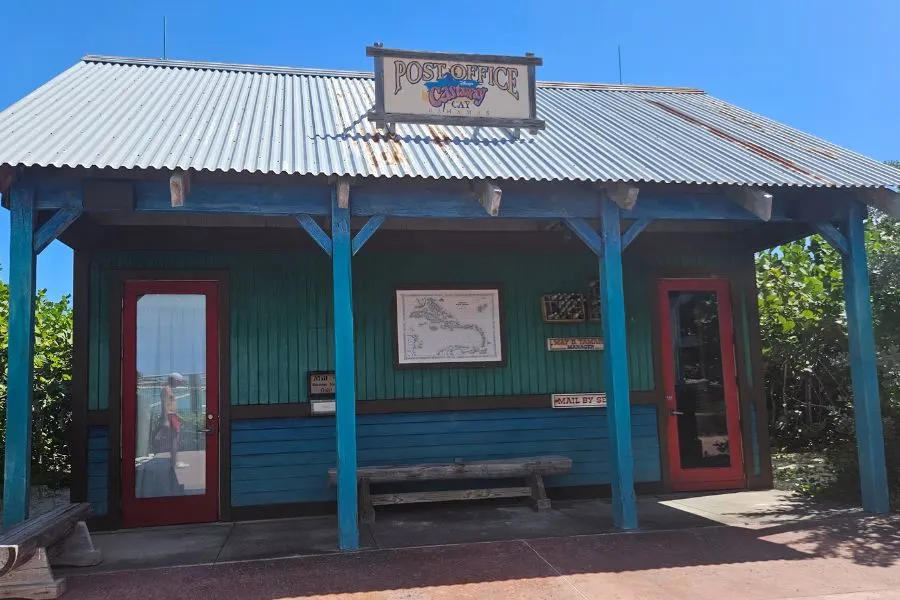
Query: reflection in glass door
(700, 385)
(170, 402)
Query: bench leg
(33, 580)
(76, 550)
(539, 499)
(366, 509)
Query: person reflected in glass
(172, 419)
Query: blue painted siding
(277, 461)
(98, 469)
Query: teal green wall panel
(281, 324)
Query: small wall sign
(320, 385)
(574, 344)
(566, 307)
(322, 407)
(578, 400)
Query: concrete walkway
(744, 545)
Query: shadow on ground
(869, 540)
(700, 547)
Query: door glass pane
(699, 389)
(170, 444)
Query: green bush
(51, 412)
(803, 328)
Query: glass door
(170, 404)
(700, 384)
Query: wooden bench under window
(60, 537)
(532, 470)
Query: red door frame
(143, 512)
(713, 478)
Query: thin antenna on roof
(620, 63)
(164, 40)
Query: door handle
(209, 430)
(675, 412)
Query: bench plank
(18, 543)
(444, 496)
(531, 469)
(487, 469)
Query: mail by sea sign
(454, 89)
(320, 385)
(578, 400)
(574, 344)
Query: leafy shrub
(804, 335)
(51, 412)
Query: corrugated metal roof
(151, 114)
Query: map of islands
(448, 326)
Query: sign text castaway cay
(455, 85)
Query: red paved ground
(846, 559)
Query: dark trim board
(99, 417)
(418, 405)
(90, 236)
(80, 375)
(114, 410)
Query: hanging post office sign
(578, 400)
(454, 89)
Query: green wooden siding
(281, 322)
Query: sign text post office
(454, 89)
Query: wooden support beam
(634, 230)
(54, 227)
(615, 358)
(343, 193)
(368, 230)
(380, 199)
(833, 237)
(586, 234)
(7, 178)
(17, 460)
(883, 199)
(315, 232)
(179, 188)
(344, 372)
(757, 201)
(625, 195)
(489, 196)
(863, 367)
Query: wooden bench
(60, 537)
(532, 470)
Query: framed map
(441, 327)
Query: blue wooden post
(615, 355)
(345, 377)
(17, 474)
(863, 367)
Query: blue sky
(825, 66)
